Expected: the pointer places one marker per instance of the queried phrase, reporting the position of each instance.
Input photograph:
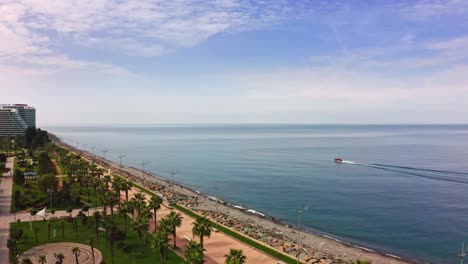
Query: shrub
(18, 177)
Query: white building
(16, 118)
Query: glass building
(16, 118)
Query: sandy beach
(314, 248)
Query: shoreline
(319, 243)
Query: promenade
(5, 204)
(216, 246)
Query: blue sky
(236, 61)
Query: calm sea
(413, 203)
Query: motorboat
(338, 160)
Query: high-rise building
(16, 118)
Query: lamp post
(104, 151)
(50, 191)
(143, 164)
(173, 173)
(217, 201)
(462, 254)
(121, 156)
(299, 212)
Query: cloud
(427, 9)
(142, 28)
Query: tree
(76, 251)
(123, 211)
(97, 217)
(175, 220)
(193, 253)
(48, 182)
(139, 201)
(155, 204)
(12, 244)
(36, 230)
(161, 243)
(126, 186)
(18, 177)
(235, 256)
(117, 185)
(17, 200)
(69, 210)
(59, 258)
(26, 261)
(43, 163)
(359, 261)
(85, 209)
(140, 225)
(42, 259)
(91, 244)
(201, 228)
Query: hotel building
(16, 118)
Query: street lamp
(462, 254)
(50, 191)
(217, 201)
(299, 212)
(173, 173)
(121, 156)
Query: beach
(314, 248)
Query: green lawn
(33, 197)
(136, 252)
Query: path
(48, 250)
(59, 174)
(5, 204)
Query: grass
(246, 240)
(137, 252)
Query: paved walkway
(65, 248)
(5, 203)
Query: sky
(236, 61)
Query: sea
(401, 190)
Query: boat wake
(441, 175)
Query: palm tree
(139, 201)
(91, 243)
(201, 228)
(359, 261)
(175, 220)
(140, 225)
(161, 243)
(42, 259)
(26, 261)
(69, 210)
(126, 186)
(117, 185)
(194, 253)
(123, 211)
(155, 204)
(60, 257)
(76, 251)
(97, 218)
(36, 230)
(235, 256)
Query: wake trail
(419, 169)
(392, 169)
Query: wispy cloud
(140, 28)
(426, 9)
